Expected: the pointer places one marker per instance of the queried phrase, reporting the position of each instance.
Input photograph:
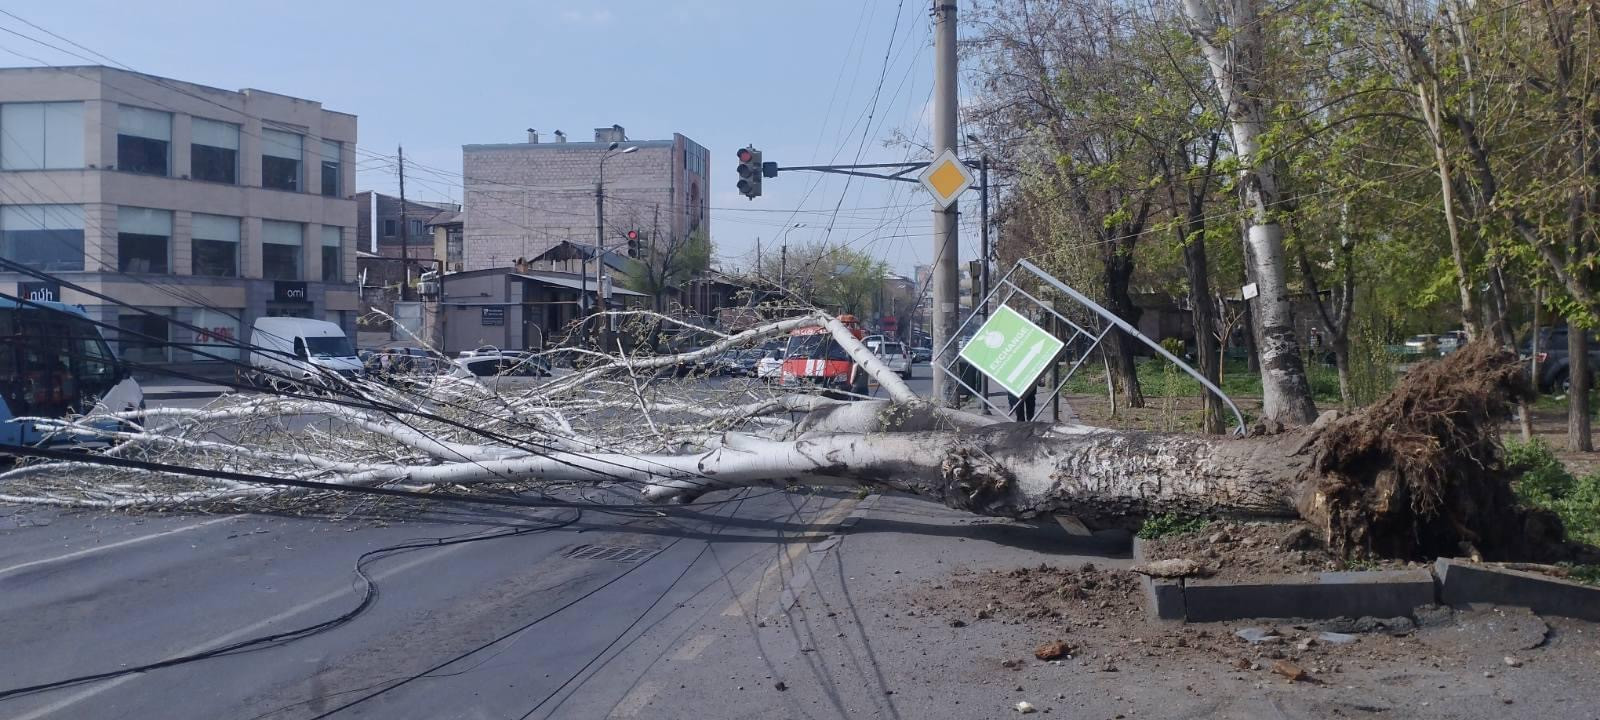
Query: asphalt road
(499, 628)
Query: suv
(894, 355)
(1554, 361)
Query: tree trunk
(1579, 431)
(1235, 56)
(1341, 358)
(1416, 474)
(1193, 241)
(1458, 253)
(1118, 274)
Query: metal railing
(1079, 333)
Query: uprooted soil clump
(1239, 550)
(1419, 474)
(1080, 595)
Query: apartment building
(211, 207)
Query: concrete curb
(1461, 583)
(1377, 593)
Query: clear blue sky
(797, 79)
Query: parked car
(921, 353)
(403, 361)
(1422, 345)
(508, 364)
(894, 355)
(1555, 371)
(1452, 341)
(770, 366)
(743, 362)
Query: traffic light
(750, 172)
(635, 244)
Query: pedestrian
(1023, 407)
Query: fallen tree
(1417, 474)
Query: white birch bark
(1230, 37)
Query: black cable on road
(521, 628)
(369, 595)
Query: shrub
(1545, 483)
(1159, 526)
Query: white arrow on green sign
(1011, 350)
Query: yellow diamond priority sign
(946, 177)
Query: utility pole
(758, 258)
(946, 286)
(783, 265)
(600, 261)
(981, 306)
(405, 237)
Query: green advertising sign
(1011, 350)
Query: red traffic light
(633, 234)
(744, 155)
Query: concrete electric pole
(946, 285)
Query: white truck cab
(302, 349)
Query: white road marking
(250, 629)
(115, 545)
(694, 647)
(636, 700)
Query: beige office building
(211, 207)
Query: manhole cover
(614, 553)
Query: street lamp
(600, 238)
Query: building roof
(572, 282)
(447, 217)
(569, 250)
(569, 145)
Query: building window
(280, 250)
(332, 258)
(214, 247)
(143, 338)
(330, 167)
(39, 136)
(220, 334)
(389, 228)
(414, 227)
(144, 140)
(214, 151)
(143, 236)
(281, 153)
(45, 237)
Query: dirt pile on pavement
(1070, 595)
(1238, 550)
(1418, 474)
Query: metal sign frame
(1012, 289)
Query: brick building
(521, 199)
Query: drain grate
(614, 553)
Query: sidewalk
(919, 611)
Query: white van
(302, 348)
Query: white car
(770, 366)
(895, 356)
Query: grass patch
(1165, 524)
(1588, 574)
(1545, 483)
(1158, 378)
